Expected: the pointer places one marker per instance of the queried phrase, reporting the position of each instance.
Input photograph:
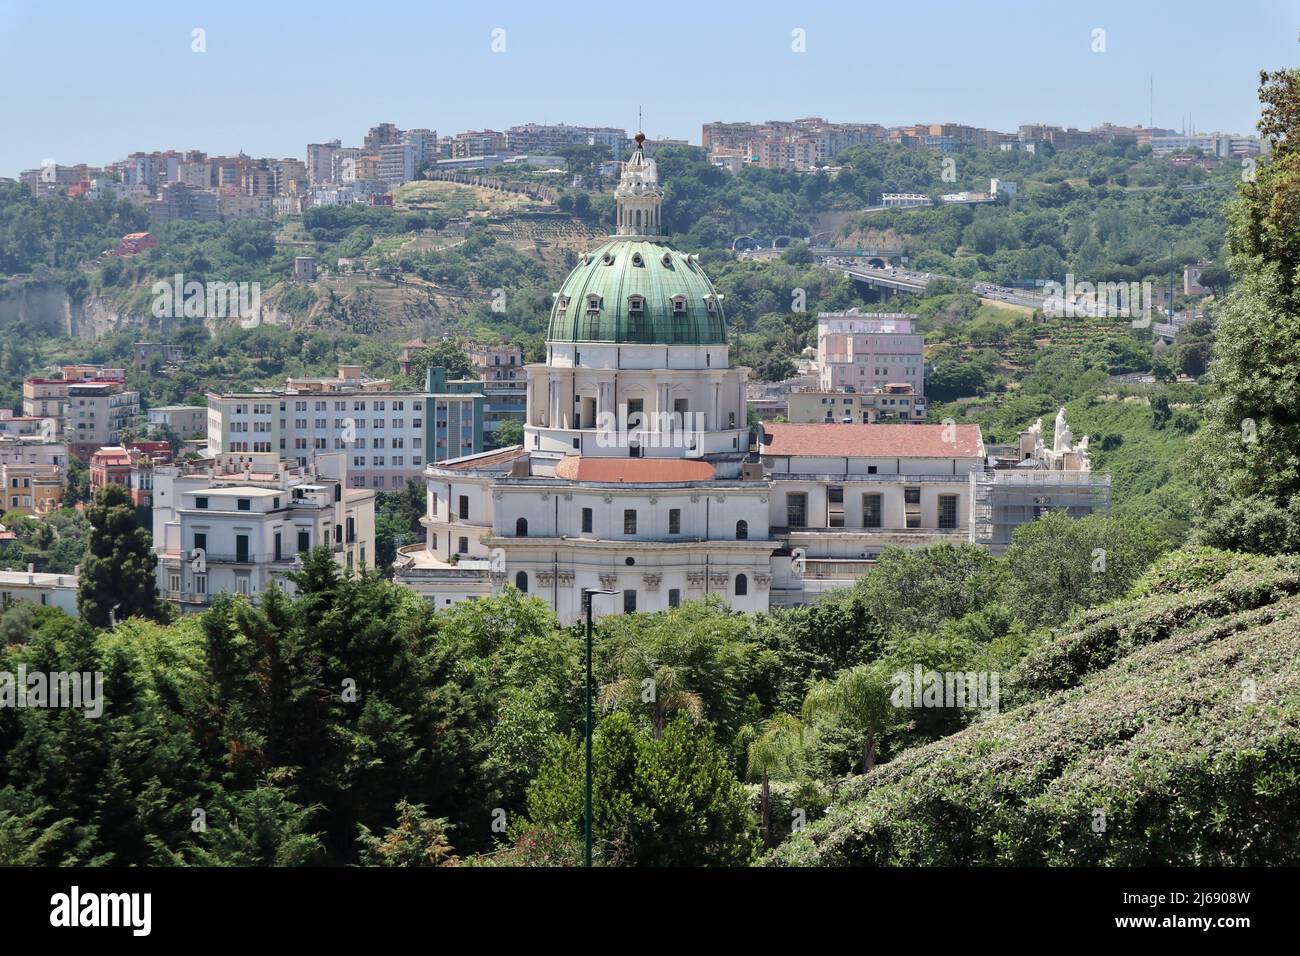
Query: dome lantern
(638, 196)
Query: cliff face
(1159, 730)
(47, 309)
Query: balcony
(216, 557)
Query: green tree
(915, 590)
(774, 752)
(672, 801)
(694, 660)
(447, 354)
(1247, 456)
(117, 576)
(1059, 563)
(415, 840)
(510, 433)
(857, 699)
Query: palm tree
(689, 660)
(775, 750)
(856, 698)
(663, 686)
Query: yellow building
(32, 489)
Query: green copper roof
(622, 269)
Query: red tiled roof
(873, 441)
(107, 458)
(633, 470)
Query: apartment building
(550, 139)
(88, 404)
(28, 426)
(97, 414)
(498, 362)
(396, 163)
(475, 143)
(320, 161)
(384, 134)
(31, 488)
(868, 351)
(890, 403)
(388, 435)
(425, 144)
(186, 420)
(178, 201)
(47, 590)
(237, 530)
(33, 449)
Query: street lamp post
(587, 595)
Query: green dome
(678, 303)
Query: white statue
(1036, 429)
(1085, 460)
(1062, 437)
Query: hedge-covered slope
(1163, 729)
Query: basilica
(640, 475)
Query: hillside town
(628, 481)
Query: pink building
(868, 351)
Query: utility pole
(587, 595)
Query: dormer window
(562, 304)
(607, 259)
(636, 303)
(637, 260)
(593, 303)
(667, 260)
(711, 303)
(679, 304)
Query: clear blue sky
(90, 82)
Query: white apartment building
(397, 163)
(45, 589)
(388, 435)
(867, 351)
(32, 450)
(238, 531)
(425, 144)
(185, 420)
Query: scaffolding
(1004, 499)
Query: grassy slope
(1141, 710)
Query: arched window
(742, 585)
(742, 530)
(521, 528)
(521, 581)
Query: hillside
(1159, 730)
